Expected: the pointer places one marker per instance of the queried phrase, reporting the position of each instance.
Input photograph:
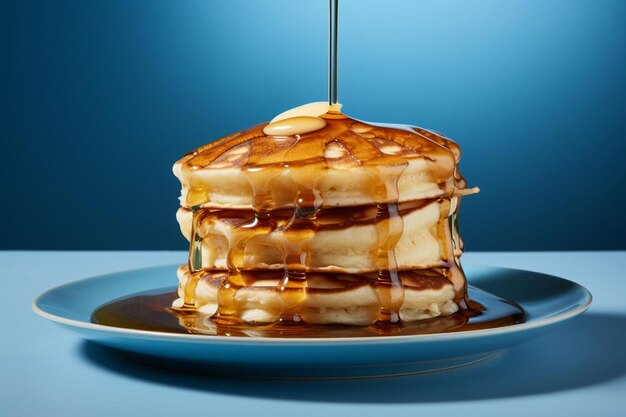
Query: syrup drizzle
(286, 175)
(299, 163)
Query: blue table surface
(578, 369)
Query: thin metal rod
(332, 51)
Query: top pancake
(346, 163)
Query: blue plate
(547, 300)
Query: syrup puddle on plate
(150, 310)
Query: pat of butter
(317, 109)
(298, 125)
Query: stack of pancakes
(352, 223)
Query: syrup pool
(150, 310)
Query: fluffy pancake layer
(340, 240)
(327, 299)
(347, 163)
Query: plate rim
(239, 340)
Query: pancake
(340, 240)
(347, 163)
(328, 298)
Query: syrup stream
(333, 84)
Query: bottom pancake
(328, 298)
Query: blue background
(99, 98)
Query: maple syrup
(151, 311)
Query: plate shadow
(585, 351)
